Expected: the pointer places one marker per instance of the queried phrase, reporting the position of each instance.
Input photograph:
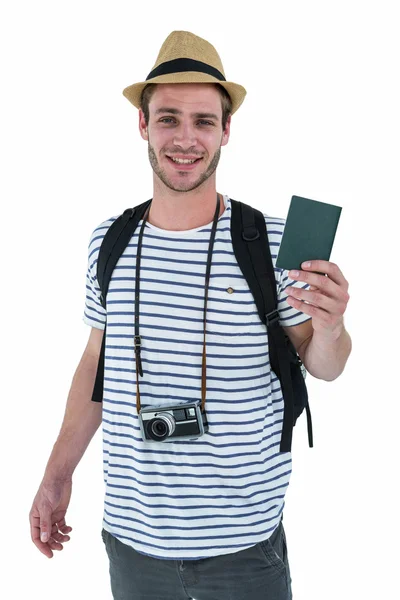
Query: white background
(320, 120)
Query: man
(201, 518)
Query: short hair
(226, 102)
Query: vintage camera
(170, 423)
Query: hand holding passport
(309, 232)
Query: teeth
(183, 161)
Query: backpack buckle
(272, 317)
(249, 234)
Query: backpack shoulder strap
(252, 251)
(251, 247)
(114, 243)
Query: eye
(169, 120)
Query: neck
(180, 211)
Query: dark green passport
(309, 232)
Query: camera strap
(137, 337)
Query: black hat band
(180, 65)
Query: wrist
(53, 475)
(331, 335)
(60, 466)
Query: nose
(185, 136)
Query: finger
(45, 522)
(317, 314)
(313, 288)
(35, 536)
(59, 537)
(61, 523)
(43, 547)
(54, 545)
(62, 526)
(315, 298)
(65, 529)
(324, 284)
(56, 528)
(327, 268)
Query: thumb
(45, 524)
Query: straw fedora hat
(187, 58)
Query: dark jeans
(258, 573)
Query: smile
(184, 163)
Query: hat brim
(236, 92)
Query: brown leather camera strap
(137, 337)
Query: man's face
(185, 123)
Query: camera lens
(160, 427)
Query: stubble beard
(183, 186)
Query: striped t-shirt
(225, 491)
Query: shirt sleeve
(288, 315)
(94, 314)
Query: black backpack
(252, 251)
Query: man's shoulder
(96, 239)
(100, 231)
(274, 225)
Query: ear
(226, 133)
(143, 125)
